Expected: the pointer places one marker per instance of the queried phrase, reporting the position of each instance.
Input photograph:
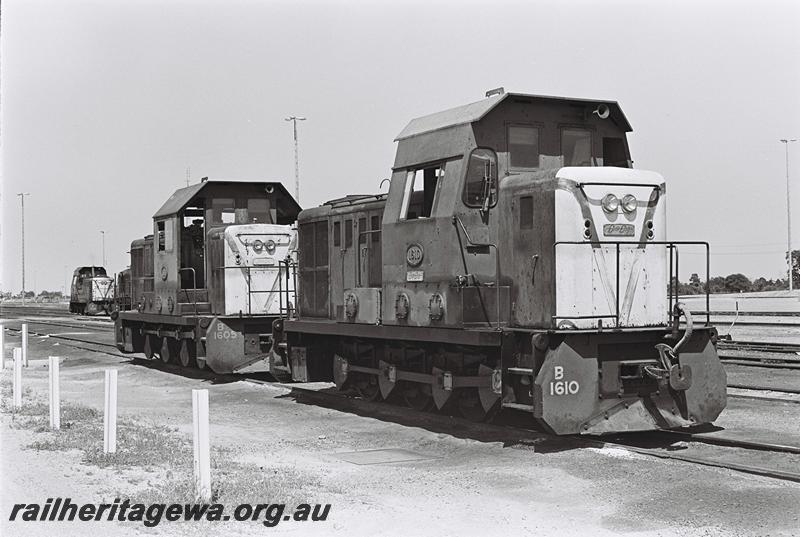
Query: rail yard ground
(280, 443)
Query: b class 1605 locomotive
(205, 288)
(517, 261)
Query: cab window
(258, 211)
(481, 181)
(223, 210)
(576, 147)
(523, 146)
(164, 229)
(419, 194)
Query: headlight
(610, 203)
(258, 245)
(270, 247)
(629, 203)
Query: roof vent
(204, 179)
(495, 91)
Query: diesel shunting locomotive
(517, 261)
(91, 292)
(207, 285)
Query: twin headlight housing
(269, 246)
(611, 203)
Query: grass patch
(234, 483)
(160, 448)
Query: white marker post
(202, 448)
(110, 416)
(17, 377)
(25, 344)
(55, 394)
(2, 345)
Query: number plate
(415, 276)
(618, 230)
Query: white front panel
(590, 281)
(102, 289)
(265, 270)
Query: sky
(104, 105)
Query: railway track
(520, 427)
(760, 346)
(657, 444)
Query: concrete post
(17, 378)
(202, 448)
(2, 346)
(110, 416)
(24, 344)
(55, 394)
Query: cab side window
(419, 194)
(480, 186)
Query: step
(518, 406)
(188, 296)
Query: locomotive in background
(207, 285)
(91, 291)
(517, 261)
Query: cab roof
(181, 197)
(470, 113)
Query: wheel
(418, 396)
(469, 405)
(368, 387)
(151, 345)
(188, 353)
(169, 349)
(92, 308)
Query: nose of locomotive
(579, 392)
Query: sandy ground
(466, 485)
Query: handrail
(288, 292)
(457, 222)
(194, 288)
(671, 245)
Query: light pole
(294, 120)
(22, 202)
(786, 142)
(103, 234)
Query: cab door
(369, 249)
(478, 213)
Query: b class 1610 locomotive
(517, 261)
(205, 288)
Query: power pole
(22, 202)
(294, 120)
(188, 172)
(786, 142)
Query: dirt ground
(461, 484)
